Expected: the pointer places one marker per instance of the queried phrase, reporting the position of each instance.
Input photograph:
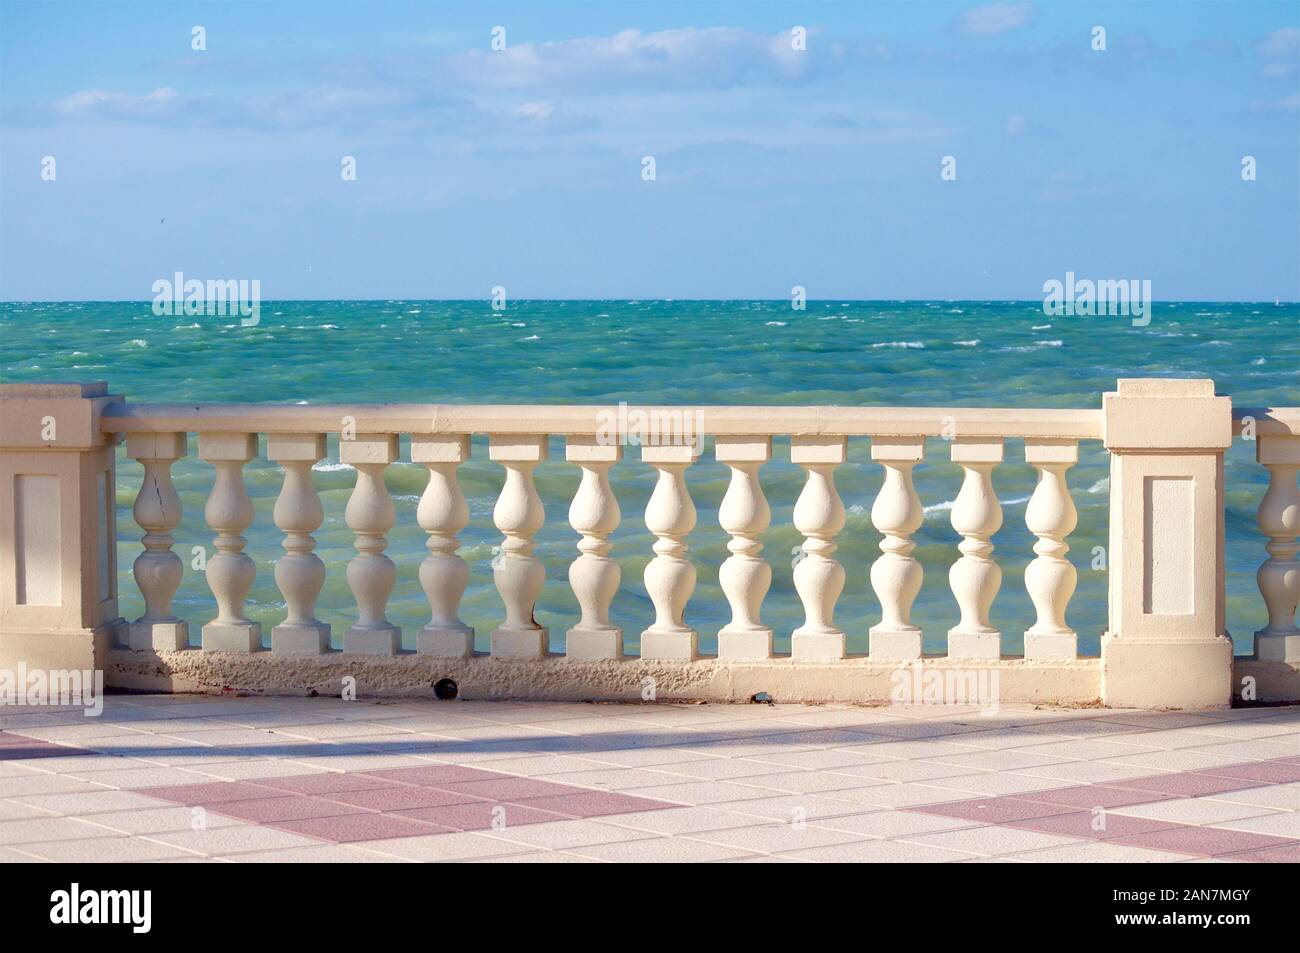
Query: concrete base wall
(1075, 683)
(555, 678)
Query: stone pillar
(818, 577)
(299, 573)
(1166, 646)
(670, 576)
(1279, 521)
(158, 571)
(370, 514)
(518, 574)
(443, 513)
(745, 576)
(231, 572)
(58, 549)
(594, 576)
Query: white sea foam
(140, 342)
(1101, 486)
(331, 467)
(910, 344)
(949, 504)
(531, 337)
(776, 324)
(974, 343)
(1040, 327)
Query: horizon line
(655, 298)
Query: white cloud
(995, 18)
(162, 102)
(545, 116)
(1280, 51)
(1281, 44)
(713, 57)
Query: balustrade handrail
(1269, 421)
(1167, 440)
(588, 420)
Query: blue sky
(774, 167)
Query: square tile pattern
(176, 778)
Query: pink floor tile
(1186, 784)
(480, 815)
(1285, 854)
(1097, 795)
(400, 797)
(330, 783)
(595, 803)
(436, 775)
(1203, 841)
(215, 792)
(511, 789)
(1265, 772)
(355, 827)
(995, 810)
(268, 810)
(1081, 825)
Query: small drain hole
(445, 689)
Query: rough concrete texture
(555, 678)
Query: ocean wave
(946, 505)
(973, 343)
(776, 324)
(909, 344)
(1101, 486)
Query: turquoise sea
(996, 354)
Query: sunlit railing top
(588, 420)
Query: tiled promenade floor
(191, 778)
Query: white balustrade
(518, 574)
(370, 515)
(299, 573)
(1279, 576)
(818, 578)
(158, 570)
(594, 576)
(975, 578)
(896, 575)
(443, 513)
(670, 576)
(744, 576)
(230, 573)
(1051, 577)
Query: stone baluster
(670, 576)
(443, 513)
(230, 573)
(1279, 576)
(1050, 577)
(370, 515)
(745, 576)
(518, 574)
(299, 573)
(158, 570)
(896, 575)
(818, 578)
(975, 578)
(593, 576)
